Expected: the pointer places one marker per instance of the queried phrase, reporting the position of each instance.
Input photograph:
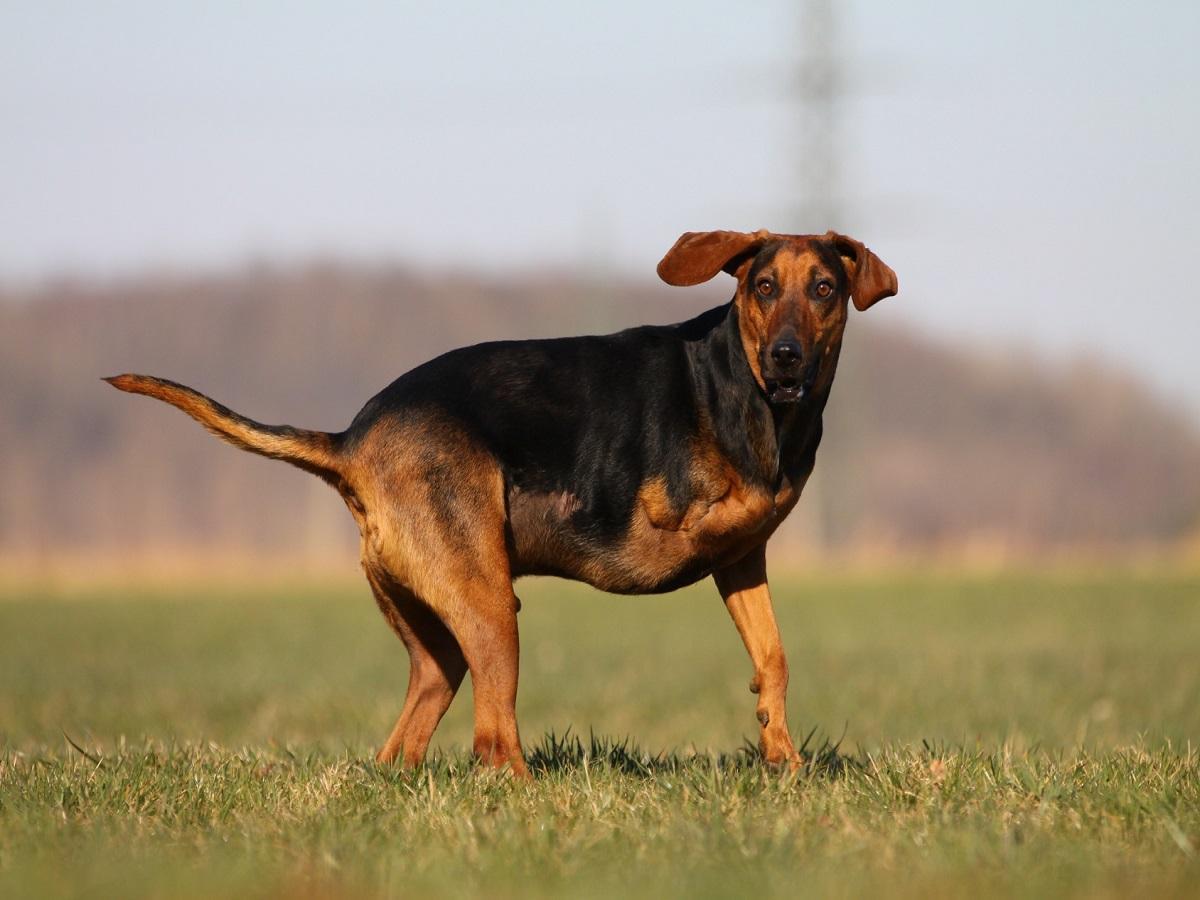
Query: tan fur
(437, 547)
(743, 586)
(759, 323)
(311, 450)
(443, 535)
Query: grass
(1015, 735)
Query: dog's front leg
(743, 586)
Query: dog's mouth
(784, 390)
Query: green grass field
(1019, 735)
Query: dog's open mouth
(784, 390)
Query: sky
(1029, 169)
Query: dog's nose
(786, 354)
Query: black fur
(595, 417)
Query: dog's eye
(824, 289)
(765, 287)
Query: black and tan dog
(637, 462)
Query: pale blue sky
(1029, 169)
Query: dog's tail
(314, 451)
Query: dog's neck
(776, 441)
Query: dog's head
(791, 297)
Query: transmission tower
(819, 87)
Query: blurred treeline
(932, 447)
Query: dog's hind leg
(436, 669)
(467, 619)
(473, 596)
(439, 530)
(486, 627)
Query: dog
(638, 462)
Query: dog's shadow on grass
(569, 753)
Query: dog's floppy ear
(699, 255)
(870, 277)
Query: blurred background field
(287, 210)
(933, 450)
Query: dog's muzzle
(786, 377)
(784, 390)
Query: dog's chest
(723, 519)
(674, 534)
